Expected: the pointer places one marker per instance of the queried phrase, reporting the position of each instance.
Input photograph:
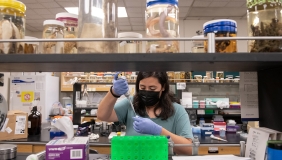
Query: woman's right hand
(120, 86)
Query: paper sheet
(256, 144)
(249, 95)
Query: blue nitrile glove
(120, 86)
(146, 126)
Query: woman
(156, 109)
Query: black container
(34, 122)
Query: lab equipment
(201, 122)
(222, 132)
(222, 28)
(100, 16)
(162, 21)
(25, 89)
(37, 156)
(130, 46)
(217, 138)
(128, 98)
(207, 129)
(274, 150)
(34, 122)
(53, 29)
(219, 125)
(198, 45)
(139, 147)
(195, 103)
(8, 151)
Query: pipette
(127, 94)
(220, 139)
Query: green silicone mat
(139, 148)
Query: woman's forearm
(106, 107)
(179, 140)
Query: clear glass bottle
(162, 21)
(97, 19)
(53, 29)
(71, 21)
(198, 45)
(12, 22)
(130, 46)
(31, 47)
(264, 19)
(222, 28)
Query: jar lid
(154, 2)
(275, 145)
(7, 148)
(129, 35)
(53, 22)
(13, 4)
(28, 37)
(195, 100)
(220, 29)
(220, 22)
(66, 15)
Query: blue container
(274, 150)
(196, 104)
(56, 134)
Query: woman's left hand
(146, 126)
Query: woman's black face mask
(149, 98)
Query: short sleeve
(121, 109)
(183, 127)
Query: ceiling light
(121, 11)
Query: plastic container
(34, 122)
(198, 46)
(206, 131)
(274, 150)
(201, 122)
(222, 28)
(53, 29)
(202, 103)
(222, 132)
(12, 26)
(198, 78)
(162, 21)
(195, 104)
(31, 47)
(264, 19)
(98, 21)
(139, 148)
(219, 125)
(71, 28)
(130, 46)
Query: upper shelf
(139, 62)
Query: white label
(213, 149)
(20, 124)
(29, 124)
(180, 86)
(208, 132)
(122, 43)
(76, 154)
(5, 125)
(9, 130)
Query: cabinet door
(221, 150)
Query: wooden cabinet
(221, 151)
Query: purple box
(61, 148)
(231, 129)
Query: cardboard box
(15, 126)
(60, 148)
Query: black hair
(166, 98)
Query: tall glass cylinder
(162, 21)
(97, 19)
(264, 19)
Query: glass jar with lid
(12, 21)
(71, 21)
(130, 46)
(222, 28)
(264, 19)
(98, 19)
(53, 29)
(162, 21)
(198, 45)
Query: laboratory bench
(35, 144)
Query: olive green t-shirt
(178, 123)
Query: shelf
(138, 62)
(212, 109)
(77, 108)
(224, 115)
